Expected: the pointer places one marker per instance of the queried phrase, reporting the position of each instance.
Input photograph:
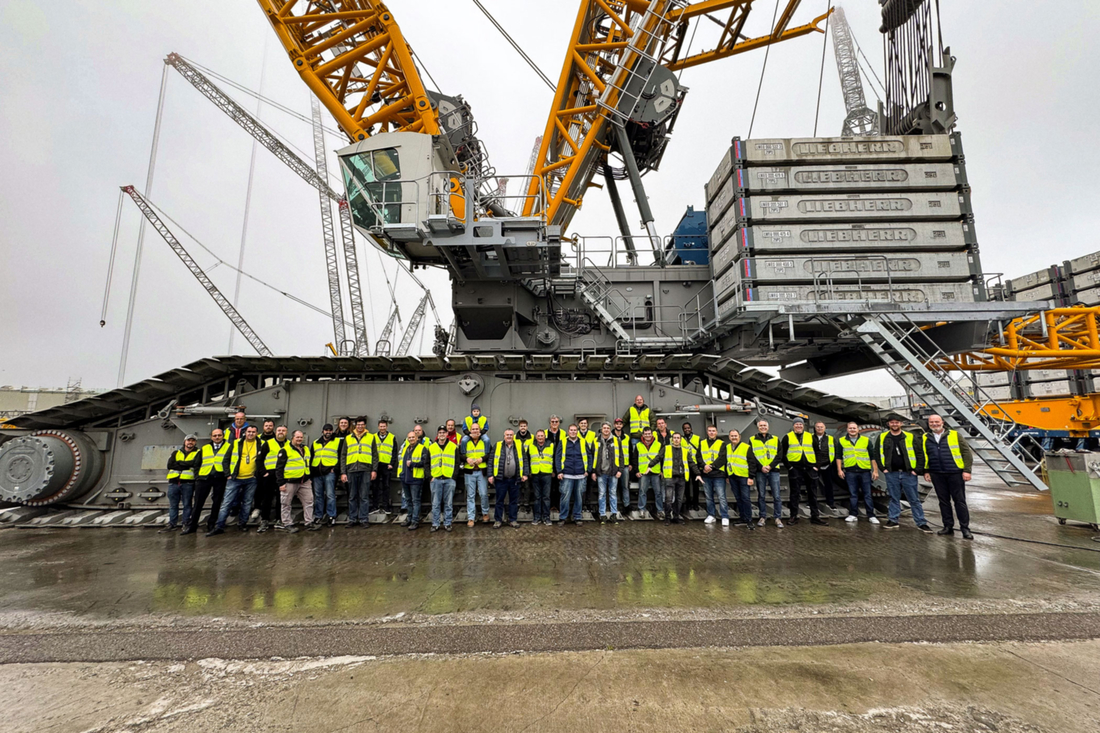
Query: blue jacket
(572, 462)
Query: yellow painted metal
(1078, 414)
(1059, 338)
(576, 136)
(354, 58)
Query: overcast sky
(78, 101)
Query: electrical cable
(111, 263)
(821, 74)
(516, 46)
(763, 68)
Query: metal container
(852, 207)
(1075, 486)
(720, 175)
(851, 178)
(1048, 291)
(1087, 297)
(724, 257)
(1083, 264)
(909, 293)
(994, 379)
(800, 151)
(998, 394)
(1085, 281)
(1046, 375)
(875, 237)
(1061, 387)
(717, 207)
(909, 267)
(1031, 280)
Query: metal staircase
(911, 358)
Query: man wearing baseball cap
(626, 460)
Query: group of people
(243, 467)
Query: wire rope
(821, 73)
(523, 54)
(763, 68)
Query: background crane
(328, 231)
(860, 121)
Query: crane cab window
(371, 180)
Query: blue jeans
(624, 485)
(242, 490)
(411, 491)
(324, 495)
(644, 483)
(572, 491)
(181, 493)
(608, 489)
(476, 483)
(540, 499)
(763, 482)
(859, 481)
(506, 489)
(443, 497)
(359, 497)
(716, 488)
(740, 487)
(898, 482)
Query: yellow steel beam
(1059, 338)
(1077, 414)
(354, 58)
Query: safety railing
(827, 275)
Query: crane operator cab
(414, 197)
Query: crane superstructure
(860, 121)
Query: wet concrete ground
(551, 573)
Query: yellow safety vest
(443, 459)
(584, 450)
(710, 451)
(737, 459)
(666, 465)
(326, 454)
(910, 451)
(235, 454)
(952, 445)
(624, 449)
(385, 447)
(476, 450)
(639, 421)
(765, 451)
(188, 474)
(417, 454)
(213, 462)
(297, 464)
(646, 456)
(588, 438)
(498, 467)
(858, 454)
(482, 421)
(359, 450)
(693, 444)
(273, 448)
(542, 459)
(798, 450)
(832, 447)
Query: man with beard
(326, 456)
(267, 489)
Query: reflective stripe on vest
(711, 451)
(499, 467)
(476, 450)
(482, 421)
(442, 459)
(857, 455)
(798, 450)
(639, 421)
(272, 457)
(909, 450)
(359, 450)
(583, 447)
(693, 444)
(832, 447)
(211, 461)
(737, 459)
(297, 464)
(185, 475)
(542, 459)
(666, 464)
(385, 447)
(765, 450)
(952, 445)
(325, 454)
(624, 449)
(589, 438)
(646, 455)
(417, 455)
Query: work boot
(314, 527)
(793, 519)
(167, 528)
(214, 532)
(612, 518)
(946, 532)
(485, 518)
(967, 535)
(470, 523)
(924, 528)
(819, 522)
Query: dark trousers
(267, 492)
(859, 481)
(951, 489)
(380, 489)
(802, 478)
(540, 502)
(359, 496)
(691, 493)
(412, 491)
(506, 489)
(555, 491)
(829, 481)
(674, 497)
(214, 487)
(740, 486)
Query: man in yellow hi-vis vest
(764, 470)
(949, 459)
(183, 464)
(210, 481)
(540, 457)
(443, 460)
(857, 465)
(797, 451)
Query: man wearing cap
(475, 418)
(948, 468)
(626, 460)
(901, 458)
(443, 458)
(210, 481)
(182, 467)
(326, 456)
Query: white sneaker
(851, 518)
(708, 520)
(874, 520)
(725, 522)
(762, 522)
(779, 523)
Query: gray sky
(79, 98)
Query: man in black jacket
(797, 451)
(901, 459)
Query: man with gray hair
(292, 477)
(606, 470)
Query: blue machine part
(690, 238)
